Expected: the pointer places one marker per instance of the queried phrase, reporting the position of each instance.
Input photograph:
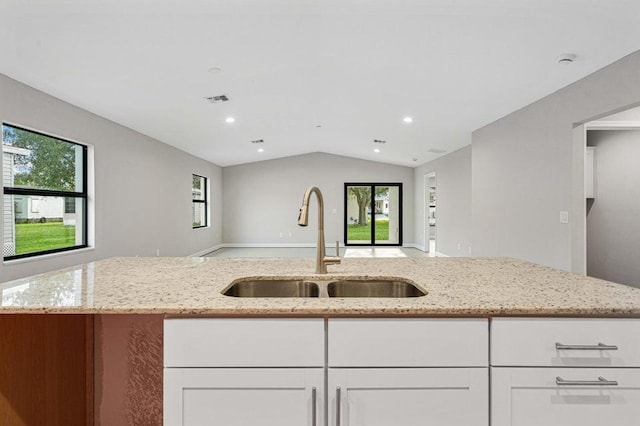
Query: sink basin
(273, 288)
(373, 288)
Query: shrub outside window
(45, 194)
(199, 201)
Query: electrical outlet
(290, 234)
(458, 246)
(158, 252)
(564, 216)
(334, 211)
(282, 235)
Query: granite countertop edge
(456, 287)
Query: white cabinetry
(408, 379)
(408, 396)
(402, 371)
(244, 372)
(249, 372)
(565, 372)
(532, 397)
(244, 396)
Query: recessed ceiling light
(229, 120)
(408, 120)
(260, 149)
(376, 150)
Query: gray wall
(613, 221)
(142, 186)
(261, 200)
(453, 202)
(525, 167)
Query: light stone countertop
(192, 286)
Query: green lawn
(363, 232)
(33, 237)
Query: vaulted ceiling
(310, 75)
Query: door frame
(427, 204)
(372, 185)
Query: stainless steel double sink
(336, 287)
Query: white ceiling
(354, 67)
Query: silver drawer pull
(598, 347)
(600, 382)
(313, 406)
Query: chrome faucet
(303, 220)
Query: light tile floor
(309, 252)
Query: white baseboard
(291, 245)
(268, 245)
(206, 251)
(438, 254)
(415, 246)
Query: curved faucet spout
(303, 220)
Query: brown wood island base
(46, 370)
(77, 369)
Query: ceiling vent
(379, 141)
(217, 99)
(566, 58)
(437, 151)
(258, 141)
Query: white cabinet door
(243, 397)
(532, 397)
(408, 397)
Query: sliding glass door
(373, 214)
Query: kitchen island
(121, 356)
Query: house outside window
(44, 193)
(200, 201)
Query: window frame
(11, 190)
(205, 202)
(372, 186)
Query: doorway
(430, 223)
(612, 205)
(373, 214)
(605, 231)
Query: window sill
(47, 256)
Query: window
(373, 214)
(45, 193)
(69, 205)
(199, 201)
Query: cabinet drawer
(533, 396)
(408, 342)
(571, 342)
(245, 342)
